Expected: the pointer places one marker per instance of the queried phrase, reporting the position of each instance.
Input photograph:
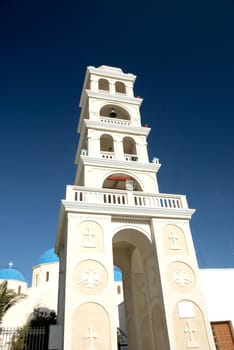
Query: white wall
(218, 287)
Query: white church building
(114, 215)
(218, 288)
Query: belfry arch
(132, 253)
(121, 181)
(114, 111)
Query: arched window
(119, 181)
(107, 146)
(112, 111)
(129, 147)
(120, 87)
(103, 84)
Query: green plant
(19, 339)
(8, 298)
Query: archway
(132, 252)
(120, 181)
(113, 111)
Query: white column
(93, 83)
(118, 147)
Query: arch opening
(103, 84)
(131, 248)
(121, 181)
(106, 143)
(120, 87)
(129, 148)
(112, 111)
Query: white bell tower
(114, 214)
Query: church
(114, 218)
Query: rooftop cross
(10, 264)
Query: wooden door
(223, 335)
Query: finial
(155, 160)
(10, 264)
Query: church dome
(11, 274)
(47, 257)
(117, 274)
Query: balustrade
(125, 198)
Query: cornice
(133, 130)
(130, 212)
(119, 164)
(111, 73)
(113, 98)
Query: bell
(112, 113)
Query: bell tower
(114, 214)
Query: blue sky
(183, 55)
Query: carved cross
(89, 243)
(181, 277)
(10, 264)
(91, 335)
(191, 331)
(173, 238)
(90, 278)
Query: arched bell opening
(106, 143)
(131, 249)
(120, 181)
(115, 112)
(120, 87)
(129, 148)
(103, 84)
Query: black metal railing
(122, 340)
(24, 338)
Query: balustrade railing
(125, 198)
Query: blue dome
(11, 274)
(117, 274)
(48, 257)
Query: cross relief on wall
(91, 335)
(191, 331)
(91, 278)
(174, 240)
(89, 235)
(181, 277)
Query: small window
(47, 276)
(106, 143)
(103, 84)
(119, 289)
(120, 87)
(36, 280)
(19, 289)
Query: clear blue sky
(183, 54)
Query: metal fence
(24, 338)
(122, 340)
